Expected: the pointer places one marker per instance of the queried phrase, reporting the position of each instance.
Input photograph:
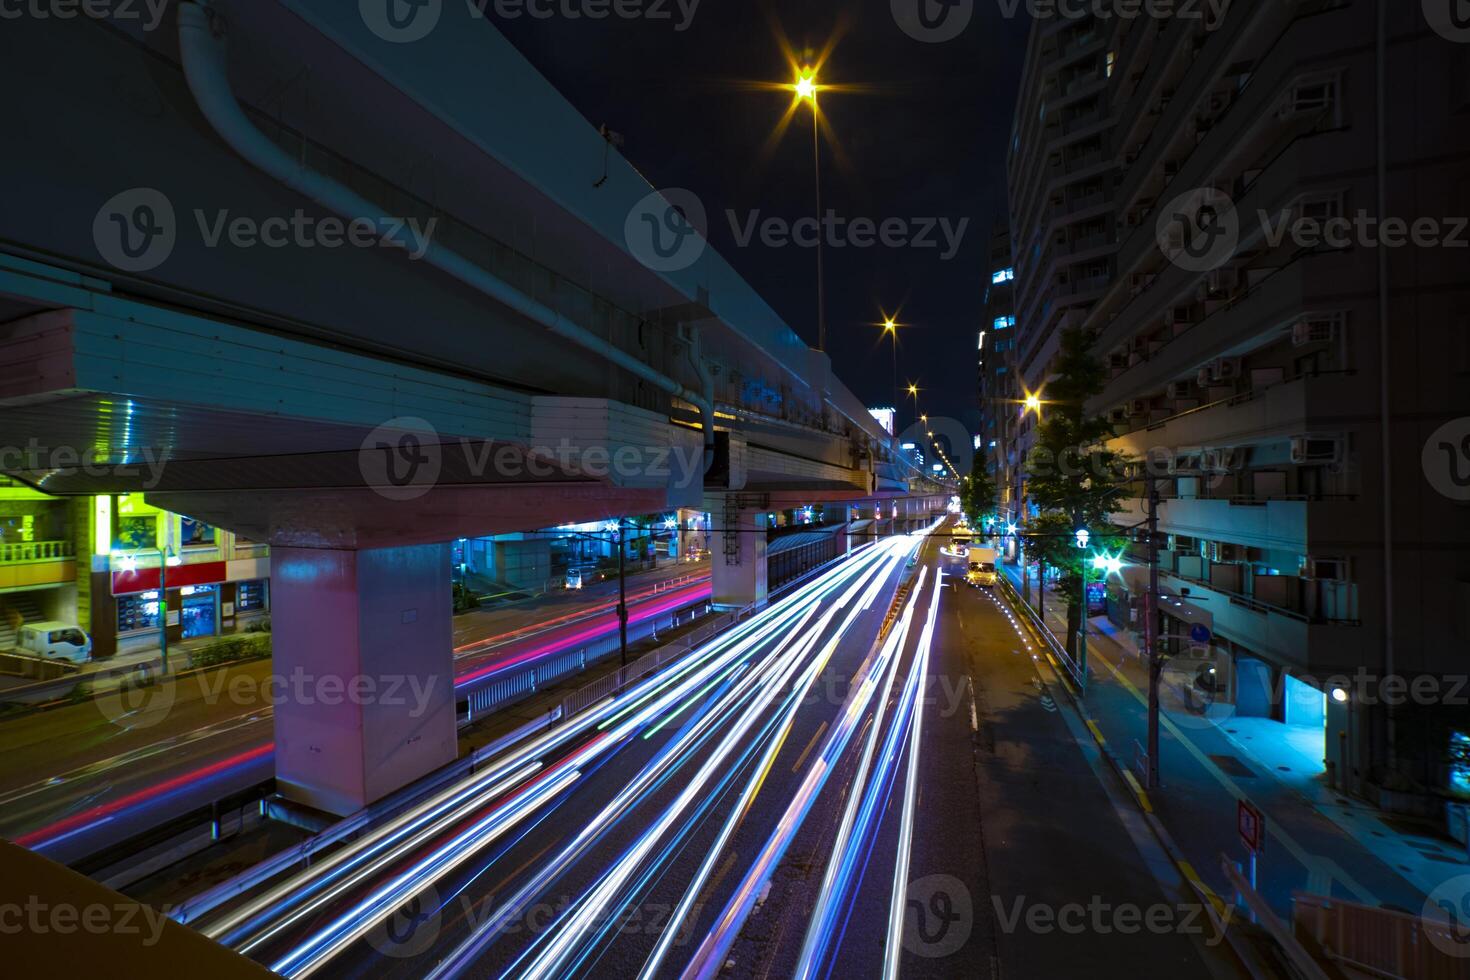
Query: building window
(136, 613)
(1003, 275)
(195, 534)
(1002, 322)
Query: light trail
(899, 898)
(624, 716)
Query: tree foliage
(978, 493)
(1072, 477)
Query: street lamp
(806, 88)
(890, 327)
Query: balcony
(1271, 524)
(36, 564)
(1251, 417)
(1319, 644)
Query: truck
(982, 570)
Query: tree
(1072, 477)
(978, 492)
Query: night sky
(921, 134)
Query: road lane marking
(809, 746)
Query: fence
(522, 683)
(1381, 941)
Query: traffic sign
(1200, 633)
(1252, 826)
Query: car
(912, 563)
(55, 641)
(981, 573)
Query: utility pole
(1150, 634)
(622, 599)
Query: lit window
(1004, 275)
(1002, 322)
(1112, 60)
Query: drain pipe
(201, 48)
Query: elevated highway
(355, 297)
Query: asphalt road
(761, 809)
(78, 778)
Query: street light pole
(821, 282)
(622, 600)
(163, 610)
(1150, 634)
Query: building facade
(95, 562)
(1279, 358)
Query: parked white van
(54, 641)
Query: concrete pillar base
(364, 656)
(738, 565)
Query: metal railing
(1379, 941)
(19, 551)
(1054, 646)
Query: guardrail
(1054, 646)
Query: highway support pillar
(738, 565)
(363, 661)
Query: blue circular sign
(1199, 633)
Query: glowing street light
(1083, 536)
(806, 88)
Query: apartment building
(998, 388)
(1279, 354)
(1063, 172)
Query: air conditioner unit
(1326, 569)
(1316, 449)
(1138, 408)
(1317, 328)
(1222, 552)
(1226, 369)
(1179, 390)
(1205, 377)
(1118, 415)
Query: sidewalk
(1318, 840)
